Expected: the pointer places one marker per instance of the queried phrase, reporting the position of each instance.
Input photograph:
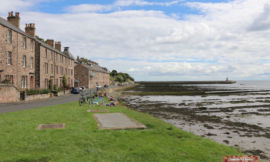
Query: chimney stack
(30, 29)
(50, 42)
(58, 46)
(14, 20)
(78, 58)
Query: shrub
(54, 87)
(44, 91)
(32, 91)
(6, 81)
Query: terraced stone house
(29, 62)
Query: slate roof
(67, 52)
(12, 27)
(98, 69)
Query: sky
(158, 40)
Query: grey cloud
(262, 22)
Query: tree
(64, 81)
(85, 60)
(41, 39)
(119, 78)
(113, 73)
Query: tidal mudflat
(241, 120)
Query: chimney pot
(58, 45)
(11, 13)
(14, 20)
(18, 15)
(25, 25)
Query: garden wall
(9, 93)
(37, 97)
(62, 93)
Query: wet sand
(239, 120)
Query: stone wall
(9, 93)
(109, 90)
(37, 97)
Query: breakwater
(186, 82)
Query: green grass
(83, 141)
(168, 93)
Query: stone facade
(52, 64)
(90, 76)
(16, 57)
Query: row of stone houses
(30, 63)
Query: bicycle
(82, 99)
(93, 101)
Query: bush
(32, 91)
(6, 81)
(44, 91)
(55, 87)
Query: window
(24, 61)
(46, 67)
(31, 45)
(24, 81)
(9, 36)
(8, 58)
(11, 79)
(82, 72)
(24, 42)
(51, 68)
(31, 62)
(46, 83)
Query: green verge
(83, 141)
(168, 93)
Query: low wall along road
(9, 93)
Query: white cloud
(228, 39)
(115, 6)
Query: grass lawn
(83, 141)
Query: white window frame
(24, 61)
(9, 36)
(8, 58)
(24, 42)
(31, 45)
(31, 62)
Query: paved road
(24, 105)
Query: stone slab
(117, 121)
(98, 110)
(52, 126)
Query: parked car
(98, 86)
(106, 85)
(82, 88)
(75, 90)
(120, 84)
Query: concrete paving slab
(117, 121)
(52, 126)
(98, 110)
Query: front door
(32, 82)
